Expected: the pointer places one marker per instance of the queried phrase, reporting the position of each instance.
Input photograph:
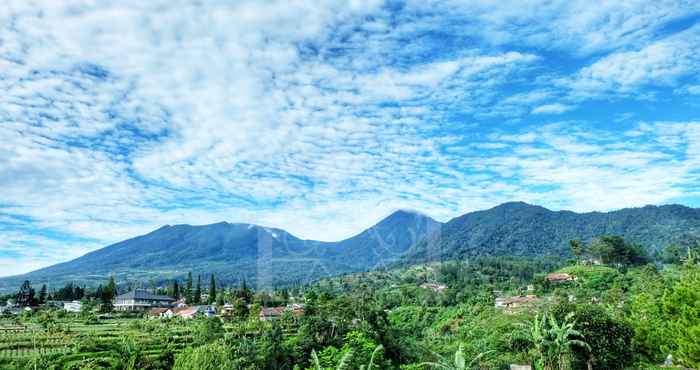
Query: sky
(322, 117)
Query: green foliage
(608, 340)
(212, 290)
(25, 296)
(129, 352)
(681, 307)
(385, 320)
(207, 330)
(459, 362)
(212, 356)
(615, 250)
(553, 341)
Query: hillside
(520, 229)
(236, 251)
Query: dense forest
(609, 307)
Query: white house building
(74, 306)
(140, 300)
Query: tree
(25, 296)
(198, 291)
(681, 307)
(189, 297)
(359, 351)
(212, 290)
(112, 287)
(240, 308)
(176, 289)
(42, 294)
(615, 250)
(553, 341)
(609, 341)
(675, 254)
(576, 249)
(106, 296)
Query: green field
(70, 343)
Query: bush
(213, 356)
(609, 340)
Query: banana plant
(459, 362)
(341, 365)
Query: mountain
(521, 229)
(232, 252)
(269, 256)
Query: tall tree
(25, 296)
(111, 288)
(198, 290)
(212, 290)
(176, 290)
(188, 289)
(615, 250)
(107, 295)
(42, 294)
(576, 249)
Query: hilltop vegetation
(627, 315)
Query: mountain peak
(516, 204)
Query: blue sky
(321, 117)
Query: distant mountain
(236, 251)
(269, 256)
(521, 229)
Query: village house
(141, 300)
(274, 313)
(435, 287)
(55, 304)
(194, 311)
(74, 306)
(558, 277)
(160, 312)
(592, 262)
(271, 313)
(297, 309)
(512, 304)
(186, 312)
(13, 310)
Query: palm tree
(458, 363)
(553, 340)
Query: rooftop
(144, 295)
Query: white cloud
(575, 26)
(554, 108)
(319, 118)
(660, 63)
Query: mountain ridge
(518, 228)
(234, 251)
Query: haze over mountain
(270, 256)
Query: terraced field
(72, 344)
